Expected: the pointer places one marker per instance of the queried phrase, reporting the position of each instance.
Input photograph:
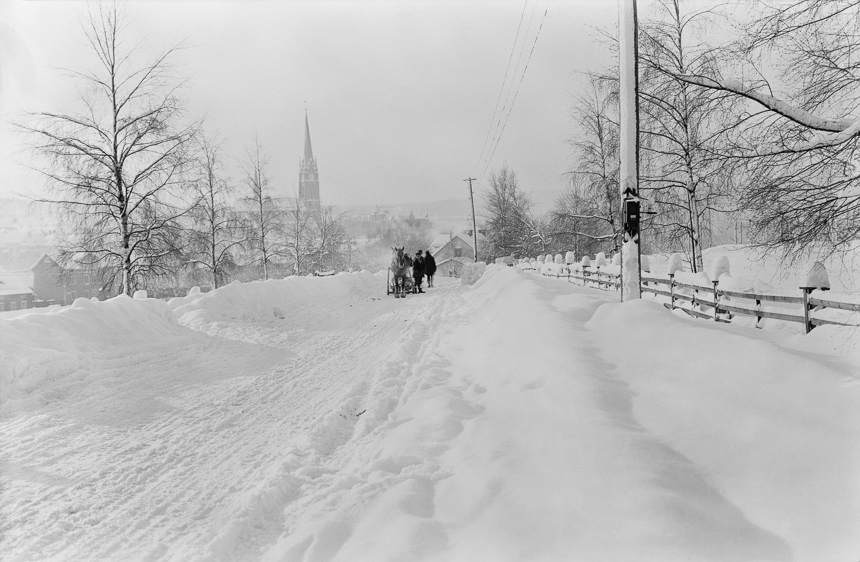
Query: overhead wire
(508, 86)
(502, 87)
(516, 93)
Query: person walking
(429, 267)
(418, 272)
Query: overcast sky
(400, 95)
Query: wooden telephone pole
(629, 148)
(474, 225)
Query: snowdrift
(44, 347)
(264, 301)
(49, 354)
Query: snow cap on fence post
(616, 259)
(569, 258)
(676, 263)
(586, 261)
(600, 260)
(721, 266)
(548, 258)
(558, 259)
(644, 263)
(817, 277)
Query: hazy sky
(400, 94)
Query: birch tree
(216, 233)
(586, 215)
(116, 166)
(328, 239)
(263, 218)
(799, 145)
(684, 128)
(298, 243)
(506, 207)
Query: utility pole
(474, 225)
(628, 53)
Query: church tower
(309, 182)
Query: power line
(504, 81)
(498, 125)
(490, 159)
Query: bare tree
(586, 216)
(684, 128)
(581, 222)
(117, 167)
(329, 238)
(298, 246)
(263, 219)
(216, 232)
(505, 226)
(799, 144)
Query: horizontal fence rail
(716, 299)
(718, 302)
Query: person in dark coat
(429, 267)
(418, 272)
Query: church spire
(309, 181)
(309, 151)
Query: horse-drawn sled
(399, 275)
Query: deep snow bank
(44, 346)
(263, 301)
(777, 432)
(48, 353)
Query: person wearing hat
(429, 267)
(418, 272)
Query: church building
(309, 182)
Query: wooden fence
(603, 280)
(722, 308)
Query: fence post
(806, 323)
(599, 283)
(757, 317)
(716, 301)
(672, 290)
(584, 274)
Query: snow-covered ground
(519, 418)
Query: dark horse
(399, 272)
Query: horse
(399, 271)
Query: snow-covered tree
(586, 216)
(117, 167)
(800, 140)
(216, 230)
(263, 220)
(329, 240)
(509, 226)
(298, 247)
(684, 169)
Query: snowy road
(318, 419)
